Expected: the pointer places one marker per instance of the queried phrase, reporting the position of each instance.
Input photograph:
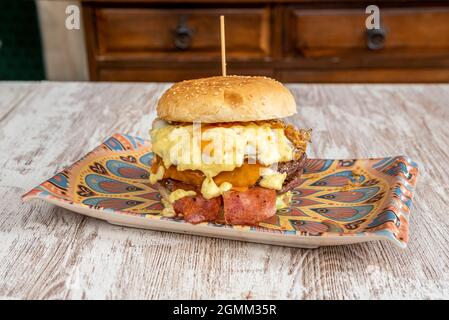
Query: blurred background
(173, 40)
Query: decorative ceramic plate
(338, 202)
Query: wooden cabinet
(293, 41)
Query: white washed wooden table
(51, 253)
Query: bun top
(226, 99)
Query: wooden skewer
(223, 50)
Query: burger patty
(293, 169)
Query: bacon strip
(197, 209)
(249, 207)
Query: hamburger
(221, 151)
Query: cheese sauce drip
(180, 193)
(273, 181)
(210, 190)
(155, 177)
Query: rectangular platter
(338, 201)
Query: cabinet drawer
(412, 32)
(182, 33)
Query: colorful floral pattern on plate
(341, 201)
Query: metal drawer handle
(375, 38)
(183, 34)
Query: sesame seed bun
(226, 99)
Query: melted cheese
(178, 194)
(219, 149)
(283, 200)
(168, 210)
(273, 181)
(244, 176)
(155, 177)
(213, 150)
(210, 190)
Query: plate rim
(191, 229)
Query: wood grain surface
(51, 253)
